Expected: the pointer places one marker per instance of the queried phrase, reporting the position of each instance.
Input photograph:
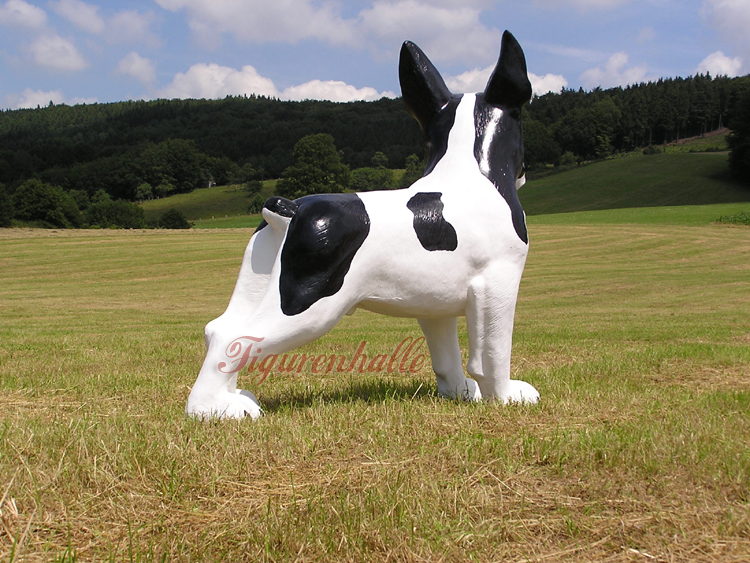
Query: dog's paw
(239, 404)
(521, 392)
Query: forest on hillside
(181, 145)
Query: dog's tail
(277, 212)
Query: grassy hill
(219, 202)
(625, 186)
(636, 181)
(667, 215)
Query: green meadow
(634, 327)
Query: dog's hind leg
(255, 273)
(442, 340)
(246, 344)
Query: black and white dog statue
(452, 244)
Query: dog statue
(452, 244)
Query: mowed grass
(636, 181)
(637, 337)
(237, 222)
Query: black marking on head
(423, 90)
(509, 84)
(501, 157)
(437, 134)
(325, 233)
(433, 231)
(504, 157)
(428, 100)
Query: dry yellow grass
(638, 338)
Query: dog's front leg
(489, 318)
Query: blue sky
(85, 51)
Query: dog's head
(498, 141)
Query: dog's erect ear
(509, 84)
(423, 89)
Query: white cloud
(470, 81)
(52, 51)
(582, 4)
(731, 18)
(20, 13)
(615, 73)
(646, 35)
(137, 67)
(584, 55)
(441, 27)
(718, 64)
(476, 81)
(83, 15)
(215, 81)
(32, 98)
(77, 101)
(128, 26)
(259, 21)
(448, 34)
(132, 26)
(542, 85)
(333, 90)
(460, 3)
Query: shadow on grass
(725, 175)
(368, 391)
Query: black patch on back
(433, 231)
(437, 133)
(505, 158)
(325, 233)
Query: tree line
(592, 125)
(137, 150)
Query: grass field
(637, 336)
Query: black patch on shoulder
(262, 225)
(433, 231)
(505, 158)
(324, 234)
(437, 133)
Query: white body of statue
(453, 244)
